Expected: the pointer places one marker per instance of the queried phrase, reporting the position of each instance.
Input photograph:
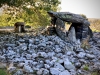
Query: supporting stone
(72, 35)
(60, 29)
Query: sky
(90, 8)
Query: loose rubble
(47, 55)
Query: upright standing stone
(72, 35)
(60, 28)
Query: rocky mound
(29, 54)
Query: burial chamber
(78, 22)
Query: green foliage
(3, 72)
(32, 12)
(86, 67)
(84, 16)
(95, 73)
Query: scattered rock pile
(47, 55)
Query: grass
(86, 67)
(3, 72)
(95, 73)
(94, 24)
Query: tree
(30, 11)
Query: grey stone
(51, 54)
(45, 72)
(52, 63)
(54, 71)
(79, 50)
(40, 65)
(46, 66)
(98, 41)
(9, 48)
(21, 40)
(24, 47)
(90, 56)
(81, 55)
(21, 65)
(34, 63)
(60, 61)
(42, 44)
(59, 66)
(42, 54)
(58, 50)
(40, 71)
(83, 61)
(68, 65)
(72, 35)
(65, 72)
(31, 40)
(60, 28)
(36, 41)
(69, 53)
(11, 54)
(59, 55)
(10, 45)
(2, 58)
(47, 61)
(77, 64)
(28, 56)
(73, 72)
(19, 72)
(27, 69)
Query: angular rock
(24, 48)
(54, 71)
(58, 50)
(19, 72)
(46, 66)
(21, 40)
(51, 54)
(40, 71)
(65, 72)
(21, 65)
(72, 35)
(45, 72)
(81, 55)
(77, 64)
(69, 53)
(31, 41)
(28, 56)
(90, 56)
(79, 50)
(42, 54)
(2, 58)
(68, 65)
(27, 69)
(83, 61)
(73, 72)
(42, 44)
(59, 66)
